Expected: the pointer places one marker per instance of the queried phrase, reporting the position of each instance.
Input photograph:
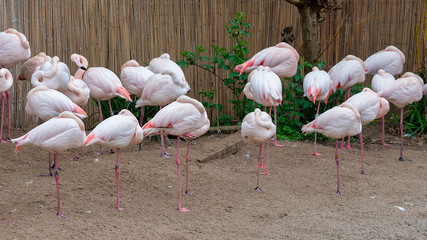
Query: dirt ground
(299, 199)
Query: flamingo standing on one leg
(345, 74)
(265, 88)
(162, 89)
(403, 91)
(370, 106)
(55, 135)
(14, 48)
(391, 60)
(257, 127)
(282, 59)
(6, 81)
(338, 122)
(133, 78)
(317, 86)
(379, 82)
(117, 131)
(184, 118)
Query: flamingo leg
(186, 175)
(315, 134)
(58, 212)
(382, 136)
(75, 155)
(345, 99)
(261, 164)
(111, 109)
(361, 150)
(266, 167)
(117, 180)
(337, 161)
(101, 118)
(141, 117)
(50, 169)
(178, 165)
(164, 154)
(8, 115)
(2, 116)
(401, 137)
(275, 123)
(259, 161)
(348, 142)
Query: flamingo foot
(46, 175)
(164, 156)
(277, 145)
(258, 189)
(183, 209)
(340, 193)
(342, 146)
(75, 158)
(265, 173)
(189, 192)
(261, 165)
(61, 216)
(385, 144)
(348, 147)
(119, 208)
(99, 153)
(140, 147)
(404, 159)
(8, 139)
(316, 154)
(111, 151)
(3, 141)
(365, 173)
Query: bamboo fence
(110, 32)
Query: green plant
(227, 60)
(210, 107)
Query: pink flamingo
(265, 87)
(379, 82)
(317, 86)
(54, 75)
(257, 127)
(370, 106)
(345, 74)
(102, 82)
(163, 63)
(31, 65)
(160, 90)
(282, 60)
(184, 118)
(403, 91)
(391, 60)
(6, 81)
(14, 48)
(117, 131)
(78, 91)
(337, 122)
(56, 135)
(133, 78)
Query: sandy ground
(299, 199)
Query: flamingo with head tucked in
(403, 91)
(164, 63)
(56, 135)
(14, 48)
(282, 59)
(337, 122)
(117, 131)
(391, 60)
(160, 90)
(370, 106)
(345, 74)
(317, 86)
(265, 87)
(378, 83)
(6, 81)
(54, 75)
(31, 65)
(184, 118)
(257, 127)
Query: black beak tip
(83, 68)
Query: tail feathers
(19, 141)
(309, 128)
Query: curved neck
(259, 121)
(78, 92)
(175, 78)
(35, 78)
(25, 44)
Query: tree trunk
(311, 48)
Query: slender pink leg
(261, 164)
(75, 155)
(58, 212)
(382, 136)
(346, 93)
(111, 109)
(401, 137)
(259, 161)
(348, 142)
(266, 167)
(315, 135)
(141, 117)
(2, 116)
(186, 176)
(337, 161)
(361, 150)
(275, 123)
(50, 169)
(8, 115)
(178, 165)
(117, 180)
(164, 154)
(101, 118)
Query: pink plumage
(282, 60)
(187, 118)
(55, 135)
(47, 103)
(54, 75)
(391, 60)
(163, 63)
(6, 81)
(348, 72)
(31, 65)
(381, 80)
(14, 48)
(134, 77)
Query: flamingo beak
(125, 94)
